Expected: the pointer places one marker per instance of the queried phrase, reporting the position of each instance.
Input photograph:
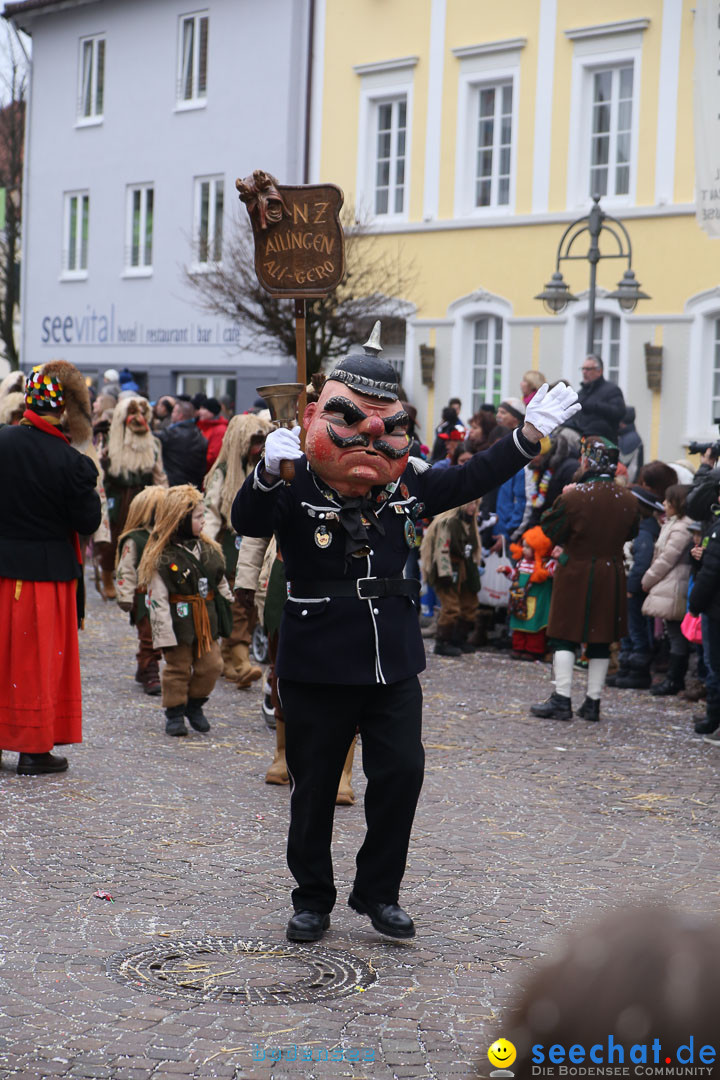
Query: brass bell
(282, 401)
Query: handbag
(495, 584)
(691, 628)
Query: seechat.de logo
(501, 1054)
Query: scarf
(353, 511)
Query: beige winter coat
(666, 582)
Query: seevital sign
(299, 242)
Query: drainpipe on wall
(308, 91)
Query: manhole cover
(248, 972)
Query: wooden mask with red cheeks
(355, 441)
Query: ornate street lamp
(556, 295)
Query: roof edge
(19, 10)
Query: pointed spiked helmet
(366, 373)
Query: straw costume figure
(240, 452)
(130, 597)
(189, 599)
(450, 553)
(132, 461)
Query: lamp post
(556, 295)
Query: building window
(91, 97)
(217, 386)
(493, 145)
(77, 225)
(192, 59)
(390, 151)
(487, 344)
(208, 227)
(606, 345)
(611, 131)
(139, 243)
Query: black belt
(366, 588)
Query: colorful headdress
(603, 454)
(44, 391)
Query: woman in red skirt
(48, 496)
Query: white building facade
(142, 114)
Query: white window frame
(575, 343)
(702, 309)
(196, 100)
(214, 182)
(596, 52)
(142, 268)
(491, 65)
(78, 272)
(213, 382)
(95, 116)
(464, 314)
(382, 83)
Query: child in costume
(449, 556)
(130, 598)
(183, 571)
(530, 594)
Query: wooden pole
(301, 357)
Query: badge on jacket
(323, 536)
(203, 587)
(410, 534)
(183, 609)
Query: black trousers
(320, 722)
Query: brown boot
(346, 795)
(230, 670)
(247, 672)
(108, 585)
(277, 773)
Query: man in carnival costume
(48, 494)
(350, 647)
(591, 520)
(239, 454)
(132, 461)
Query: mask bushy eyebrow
(391, 422)
(350, 412)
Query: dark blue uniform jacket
(348, 640)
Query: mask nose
(372, 426)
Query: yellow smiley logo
(502, 1053)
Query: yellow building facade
(469, 135)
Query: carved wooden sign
(299, 242)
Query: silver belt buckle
(357, 587)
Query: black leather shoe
(388, 919)
(590, 709)
(556, 707)
(38, 764)
(307, 926)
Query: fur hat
(10, 404)
(12, 384)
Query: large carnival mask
(355, 441)
(135, 419)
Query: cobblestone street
(524, 827)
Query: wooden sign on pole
(299, 247)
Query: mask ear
(310, 410)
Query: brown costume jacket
(591, 522)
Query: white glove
(281, 445)
(551, 408)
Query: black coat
(350, 640)
(184, 451)
(47, 493)
(603, 407)
(705, 594)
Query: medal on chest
(323, 537)
(203, 587)
(410, 533)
